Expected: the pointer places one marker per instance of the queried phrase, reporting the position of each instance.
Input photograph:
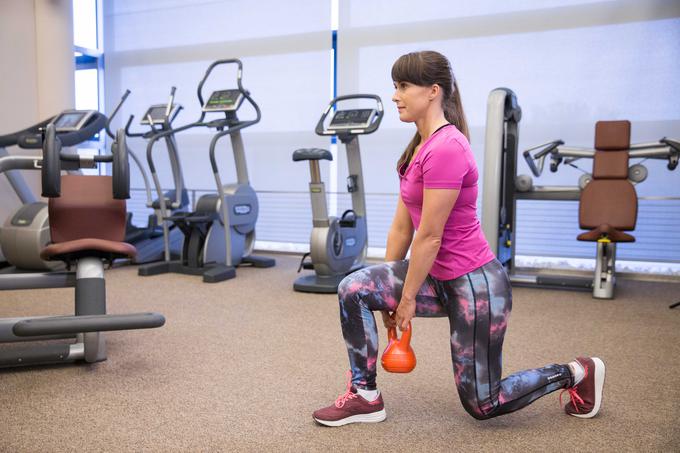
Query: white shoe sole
(373, 417)
(599, 386)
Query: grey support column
(493, 158)
(91, 300)
(317, 193)
(239, 158)
(355, 172)
(176, 167)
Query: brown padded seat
(608, 204)
(87, 221)
(89, 247)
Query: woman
(451, 272)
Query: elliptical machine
(338, 245)
(148, 239)
(220, 234)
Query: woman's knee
(362, 280)
(476, 412)
(349, 286)
(472, 405)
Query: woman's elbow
(433, 240)
(402, 230)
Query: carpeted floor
(241, 365)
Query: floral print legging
(477, 304)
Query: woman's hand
(388, 319)
(405, 312)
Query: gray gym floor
(241, 365)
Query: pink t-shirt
(445, 161)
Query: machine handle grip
(51, 164)
(115, 111)
(550, 147)
(171, 101)
(60, 325)
(121, 167)
(372, 128)
(532, 165)
(27, 138)
(127, 129)
(674, 155)
(239, 73)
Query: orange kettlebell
(398, 356)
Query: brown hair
(428, 68)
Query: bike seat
(312, 154)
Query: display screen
(157, 113)
(350, 118)
(69, 120)
(223, 100)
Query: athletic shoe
(351, 408)
(586, 396)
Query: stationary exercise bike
(338, 245)
(220, 234)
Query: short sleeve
(445, 165)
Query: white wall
(37, 73)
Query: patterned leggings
(478, 305)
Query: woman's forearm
(398, 243)
(423, 253)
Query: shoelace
(575, 397)
(573, 392)
(348, 395)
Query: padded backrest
(86, 210)
(611, 202)
(612, 140)
(609, 198)
(612, 135)
(610, 165)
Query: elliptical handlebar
(320, 130)
(239, 83)
(171, 102)
(115, 112)
(239, 75)
(127, 129)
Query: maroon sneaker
(351, 408)
(586, 396)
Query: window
(89, 59)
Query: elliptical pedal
(305, 265)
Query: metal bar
(94, 323)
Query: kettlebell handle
(405, 336)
